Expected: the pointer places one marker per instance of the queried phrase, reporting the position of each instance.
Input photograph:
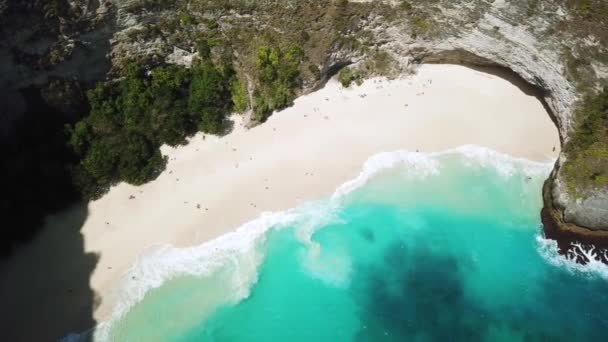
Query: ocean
(420, 247)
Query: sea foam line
(157, 266)
(425, 164)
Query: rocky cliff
(558, 47)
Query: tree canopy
(132, 117)
(278, 78)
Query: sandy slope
(303, 153)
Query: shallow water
(432, 248)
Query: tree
(209, 97)
(239, 96)
(132, 117)
(278, 77)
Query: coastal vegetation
(278, 77)
(240, 96)
(346, 77)
(133, 116)
(586, 165)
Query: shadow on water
(424, 297)
(418, 294)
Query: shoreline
(238, 245)
(213, 185)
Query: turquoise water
(436, 248)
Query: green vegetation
(278, 78)
(347, 76)
(132, 117)
(587, 149)
(379, 63)
(532, 7)
(584, 7)
(239, 96)
(187, 19)
(406, 5)
(209, 97)
(420, 25)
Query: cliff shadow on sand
(44, 285)
(44, 269)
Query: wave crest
(425, 164)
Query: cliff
(558, 47)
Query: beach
(213, 185)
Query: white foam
(426, 164)
(548, 249)
(240, 247)
(157, 266)
(421, 164)
(505, 164)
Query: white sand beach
(213, 185)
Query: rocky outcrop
(577, 242)
(590, 211)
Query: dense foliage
(240, 96)
(587, 149)
(346, 77)
(132, 117)
(278, 78)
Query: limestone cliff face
(506, 34)
(501, 36)
(558, 48)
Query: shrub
(346, 77)
(587, 150)
(278, 77)
(239, 96)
